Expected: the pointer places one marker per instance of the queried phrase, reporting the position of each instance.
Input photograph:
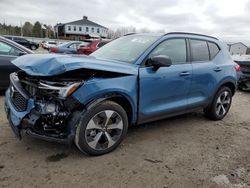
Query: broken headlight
(61, 89)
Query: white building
(81, 29)
(237, 48)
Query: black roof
(174, 33)
(85, 21)
(187, 33)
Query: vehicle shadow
(135, 135)
(2, 92)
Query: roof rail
(191, 34)
(129, 34)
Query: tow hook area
(31, 126)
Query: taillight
(237, 67)
(53, 50)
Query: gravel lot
(185, 151)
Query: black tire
(240, 88)
(83, 135)
(33, 47)
(211, 112)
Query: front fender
(103, 88)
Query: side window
(73, 46)
(199, 50)
(6, 49)
(173, 48)
(17, 39)
(214, 49)
(101, 44)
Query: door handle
(185, 73)
(218, 69)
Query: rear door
(7, 54)
(206, 71)
(164, 91)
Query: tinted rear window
(214, 49)
(101, 44)
(199, 50)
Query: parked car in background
(49, 44)
(91, 47)
(24, 42)
(244, 65)
(9, 50)
(68, 47)
(42, 43)
(135, 79)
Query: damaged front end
(44, 106)
(48, 96)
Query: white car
(49, 44)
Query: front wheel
(102, 128)
(33, 47)
(220, 105)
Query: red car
(91, 47)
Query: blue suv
(138, 78)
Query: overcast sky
(226, 19)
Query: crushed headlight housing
(63, 90)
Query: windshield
(127, 48)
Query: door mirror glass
(159, 61)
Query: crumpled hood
(54, 64)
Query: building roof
(85, 21)
(230, 44)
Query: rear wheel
(220, 105)
(102, 128)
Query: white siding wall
(238, 49)
(102, 31)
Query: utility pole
(21, 25)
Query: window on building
(69, 28)
(199, 50)
(80, 28)
(74, 28)
(87, 29)
(98, 30)
(173, 48)
(92, 30)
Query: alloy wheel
(223, 103)
(103, 130)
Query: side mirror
(22, 53)
(159, 61)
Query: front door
(164, 91)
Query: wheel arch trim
(111, 95)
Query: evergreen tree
(37, 30)
(27, 29)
